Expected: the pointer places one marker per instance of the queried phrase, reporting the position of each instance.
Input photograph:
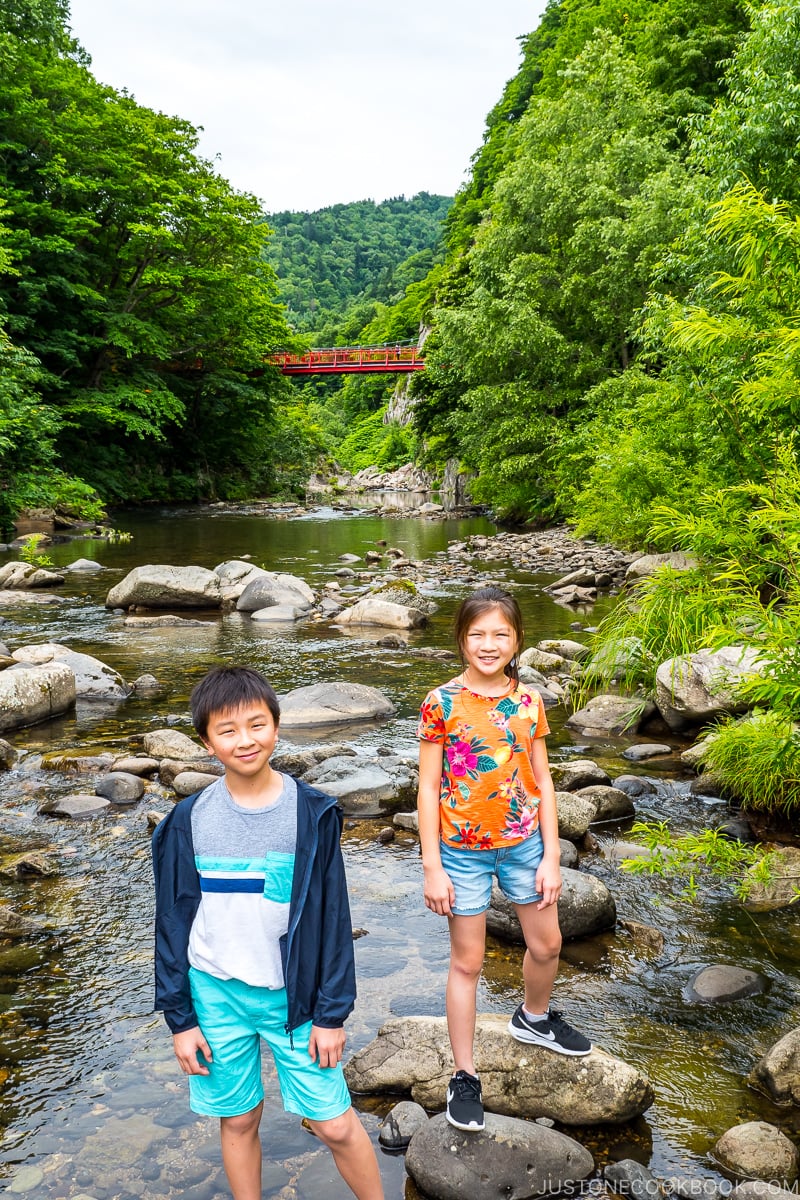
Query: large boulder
(509, 1158)
(32, 694)
(19, 576)
(365, 786)
(337, 703)
(586, 906)
(778, 1072)
(610, 714)
(382, 612)
(758, 1150)
(412, 1054)
(166, 587)
(94, 679)
(693, 688)
(268, 589)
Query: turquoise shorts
(471, 873)
(233, 1017)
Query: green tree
(140, 282)
(556, 276)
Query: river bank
(90, 1067)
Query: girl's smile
(488, 648)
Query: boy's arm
(172, 925)
(548, 875)
(336, 993)
(437, 887)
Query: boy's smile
(243, 739)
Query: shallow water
(93, 1103)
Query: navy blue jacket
(317, 950)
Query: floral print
(489, 796)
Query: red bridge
(351, 360)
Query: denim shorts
(234, 1016)
(471, 874)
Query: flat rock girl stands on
(487, 808)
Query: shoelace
(556, 1019)
(465, 1088)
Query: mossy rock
(403, 591)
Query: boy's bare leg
(241, 1153)
(352, 1151)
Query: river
(93, 1102)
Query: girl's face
(489, 645)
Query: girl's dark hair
(224, 689)
(480, 602)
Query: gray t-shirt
(245, 860)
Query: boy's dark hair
(480, 602)
(225, 689)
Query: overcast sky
(312, 102)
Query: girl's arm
(548, 876)
(437, 888)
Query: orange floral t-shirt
(489, 795)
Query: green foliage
(370, 442)
(30, 552)
(745, 590)
(557, 274)
(137, 285)
(691, 857)
(757, 759)
(52, 488)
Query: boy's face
(242, 738)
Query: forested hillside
(329, 259)
(135, 303)
(581, 228)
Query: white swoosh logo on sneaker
(546, 1037)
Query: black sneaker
(465, 1102)
(554, 1033)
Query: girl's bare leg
(540, 964)
(467, 949)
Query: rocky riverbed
(697, 1005)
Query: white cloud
(311, 103)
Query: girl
(487, 807)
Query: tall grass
(758, 760)
(664, 616)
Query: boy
(253, 939)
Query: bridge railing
(345, 359)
